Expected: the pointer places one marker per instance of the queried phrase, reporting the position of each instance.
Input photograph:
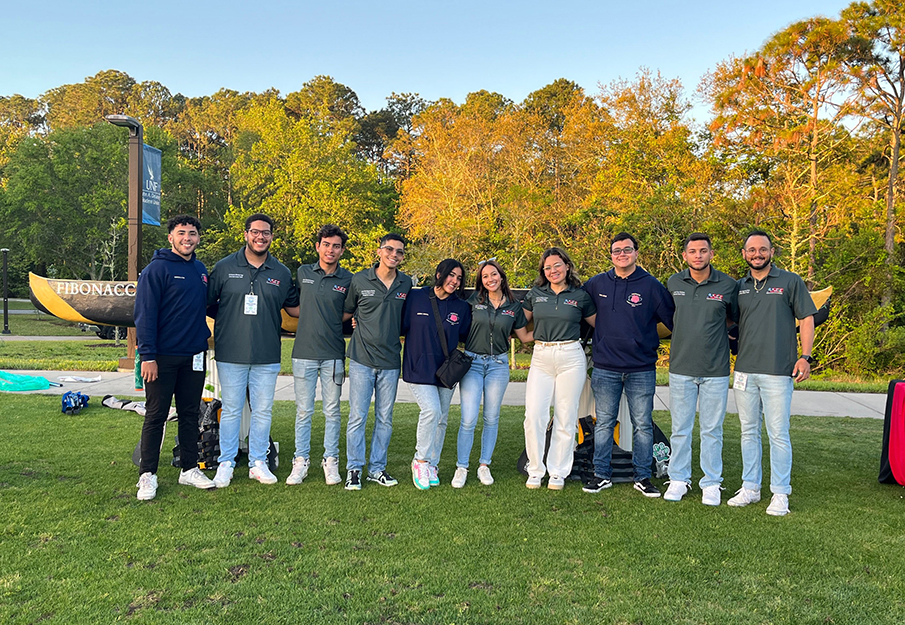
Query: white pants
(556, 377)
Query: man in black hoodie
(630, 302)
(172, 333)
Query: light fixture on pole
(136, 143)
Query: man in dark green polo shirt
(319, 351)
(247, 290)
(769, 301)
(706, 299)
(376, 299)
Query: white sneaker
(421, 475)
(556, 483)
(259, 471)
(147, 486)
(459, 478)
(194, 477)
(533, 482)
(331, 470)
(743, 497)
(676, 490)
(299, 471)
(712, 495)
(224, 474)
(433, 475)
(484, 475)
(779, 505)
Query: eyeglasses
(754, 250)
(554, 267)
(622, 250)
(481, 262)
(396, 251)
(260, 233)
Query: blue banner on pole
(150, 190)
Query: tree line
(804, 141)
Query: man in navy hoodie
(172, 333)
(630, 302)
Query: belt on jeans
(554, 343)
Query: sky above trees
(435, 49)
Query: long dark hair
(444, 269)
(572, 278)
(481, 290)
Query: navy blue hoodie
(423, 354)
(170, 305)
(628, 310)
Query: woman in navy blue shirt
(423, 355)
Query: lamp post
(136, 143)
(5, 251)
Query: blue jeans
(363, 382)
(305, 374)
(260, 382)
(770, 396)
(488, 376)
(639, 390)
(434, 403)
(684, 394)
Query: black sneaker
(383, 478)
(353, 480)
(596, 484)
(646, 488)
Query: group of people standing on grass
(702, 306)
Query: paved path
(810, 403)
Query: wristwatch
(809, 359)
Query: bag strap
(433, 299)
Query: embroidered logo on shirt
(368, 293)
(339, 288)
(423, 314)
(307, 281)
(634, 300)
(273, 281)
(678, 293)
(744, 291)
(538, 300)
(204, 278)
(571, 302)
(453, 318)
(237, 275)
(480, 307)
(717, 297)
(508, 313)
(180, 277)
(774, 290)
(401, 295)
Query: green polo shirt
(321, 299)
(249, 339)
(378, 313)
(491, 327)
(700, 341)
(767, 314)
(557, 316)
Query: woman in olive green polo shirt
(558, 370)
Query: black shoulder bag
(457, 362)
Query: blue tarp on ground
(19, 382)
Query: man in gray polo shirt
(376, 299)
(706, 299)
(247, 290)
(319, 351)
(769, 301)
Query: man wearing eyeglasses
(248, 289)
(706, 299)
(376, 300)
(630, 303)
(767, 366)
(319, 351)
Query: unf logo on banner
(150, 190)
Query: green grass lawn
(18, 305)
(42, 325)
(77, 547)
(90, 355)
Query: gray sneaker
(383, 478)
